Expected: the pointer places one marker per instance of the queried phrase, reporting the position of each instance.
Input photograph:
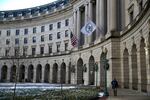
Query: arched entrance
(134, 68)
(102, 70)
(91, 71)
(80, 79)
(47, 73)
(30, 73)
(4, 74)
(143, 66)
(13, 74)
(63, 73)
(55, 73)
(39, 73)
(22, 73)
(126, 68)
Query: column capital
(86, 3)
(92, 1)
(75, 10)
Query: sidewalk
(126, 94)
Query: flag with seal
(88, 28)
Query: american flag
(74, 40)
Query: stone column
(51, 74)
(101, 29)
(86, 20)
(97, 18)
(147, 50)
(90, 18)
(75, 22)
(138, 67)
(34, 74)
(78, 23)
(0, 71)
(75, 74)
(67, 73)
(8, 74)
(111, 16)
(130, 70)
(98, 74)
(59, 75)
(26, 73)
(43, 69)
(17, 72)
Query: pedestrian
(114, 84)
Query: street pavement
(126, 94)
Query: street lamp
(106, 67)
(96, 69)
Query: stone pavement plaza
(126, 94)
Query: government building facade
(35, 43)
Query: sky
(21, 4)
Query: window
(16, 51)
(8, 32)
(59, 25)
(25, 31)
(50, 36)
(7, 52)
(50, 49)
(66, 46)
(17, 32)
(50, 27)
(25, 40)
(66, 22)
(33, 51)
(66, 33)
(34, 39)
(25, 51)
(58, 35)
(34, 29)
(42, 50)
(58, 47)
(7, 41)
(42, 38)
(42, 28)
(17, 41)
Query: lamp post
(96, 70)
(106, 67)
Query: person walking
(114, 84)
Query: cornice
(29, 13)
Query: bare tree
(16, 55)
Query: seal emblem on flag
(88, 28)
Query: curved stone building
(35, 44)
